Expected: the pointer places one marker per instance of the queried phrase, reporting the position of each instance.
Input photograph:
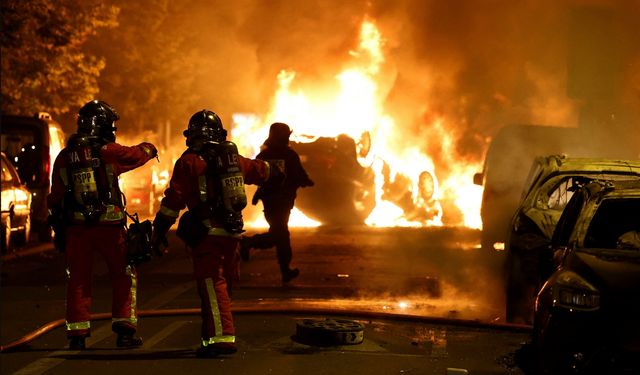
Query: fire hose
(280, 310)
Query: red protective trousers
(215, 268)
(108, 240)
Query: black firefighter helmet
(97, 119)
(204, 126)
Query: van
(32, 143)
(509, 156)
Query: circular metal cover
(327, 332)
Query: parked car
(587, 314)
(31, 143)
(546, 192)
(16, 208)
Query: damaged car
(547, 190)
(587, 314)
(345, 191)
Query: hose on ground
(287, 310)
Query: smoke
(474, 66)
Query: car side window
(560, 195)
(613, 218)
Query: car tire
(329, 332)
(23, 236)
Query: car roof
(563, 163)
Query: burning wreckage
(345, 190)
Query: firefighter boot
(77, 343)
(214, 350)
(126, 340)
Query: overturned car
(345, 191)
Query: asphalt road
(428, 300)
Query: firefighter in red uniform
(87, 214)
(209, 179)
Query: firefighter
(278, 199)
(208, 179)
(87, 215)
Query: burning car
(587, 314)
(548, 188)
(345, 191)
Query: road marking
(48, 362)
(166, 331)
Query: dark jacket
(282, 194)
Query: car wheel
(329, 332)
(23, 236)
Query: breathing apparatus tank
(224, 167)
(84, 176)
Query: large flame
(357, 108)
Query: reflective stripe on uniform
(110, 215)
(202, 187)
(147, 150)
(168, 212)
(215, 310)
(134, 294)
(78, 325)
(217, 339)
(128, 320)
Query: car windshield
(615, 225)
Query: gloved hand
(150, 149)
(257, 196)
(158, 241)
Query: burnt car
(345, 191)
(16, 208)
(31, 143)
(587, 314)
(547, 190)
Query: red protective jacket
(106, 238)
(189, 177)
(117, 159)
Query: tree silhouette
(44, 65)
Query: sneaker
(128, 341)
(214, 350)
(245, 248)
(290, 274)
(77, 343)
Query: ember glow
(356, 108)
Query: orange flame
(357, 108)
